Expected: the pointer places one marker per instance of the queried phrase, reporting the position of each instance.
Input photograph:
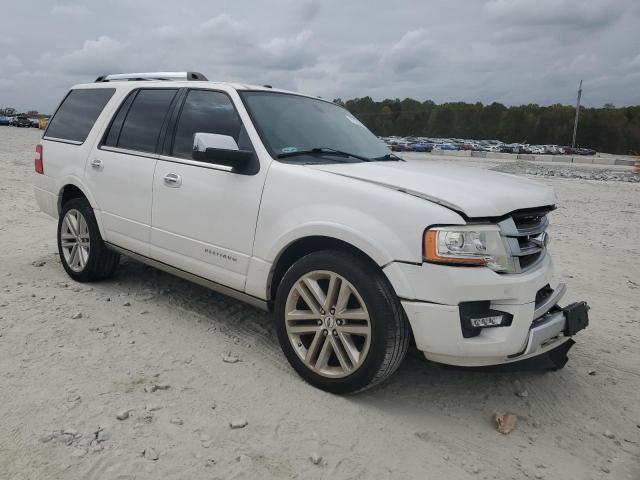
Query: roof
(131, 84)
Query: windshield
(290, 124)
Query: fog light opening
(492, 321)
(474, 316)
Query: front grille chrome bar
(526, 238)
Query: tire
(92, 260)
(365, 326)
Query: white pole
(575, 124)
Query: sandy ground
(143, 328)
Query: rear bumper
(436, 324)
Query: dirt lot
(72, 357)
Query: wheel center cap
(329, 321)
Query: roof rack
(152, 76)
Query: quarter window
(204, 111)
(77, 113)
(142, 124)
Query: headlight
(468, 245)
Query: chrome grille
(526, 236)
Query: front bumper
(536, 328)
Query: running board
(230, 292)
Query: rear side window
(78, 112)
(116, 124)
(142, 124)
(204, 111)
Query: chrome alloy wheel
(74, 239)
(328, 324)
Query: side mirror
(219, 149)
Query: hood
(473, 191)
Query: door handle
(172, 180)
(96, 163)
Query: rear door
(204, 214)
(120, 171)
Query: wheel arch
(301, 247)
(73, 188)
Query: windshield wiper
(390, 157)
(323, 151)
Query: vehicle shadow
(419, 385)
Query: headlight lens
(468, 245)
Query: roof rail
(152, 76)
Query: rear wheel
(83, 253)
(339, 323)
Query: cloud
(289, 53)
(561, 13)
(73, 11)
(9, 64)
(93, 58)
(513, 51)
(308, 10)
(414, 50)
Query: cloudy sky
(511, 51)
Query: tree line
(607, 129)
(12, 112)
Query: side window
(204, 111)
(142, 124)
(77, 114)
(113, 135)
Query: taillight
(38, 162)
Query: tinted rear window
(78, 112)
(141, 127)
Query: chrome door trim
(129, 152)
(195, 163)
(62, 140)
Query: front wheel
(83, 253)
(339, 323)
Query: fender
(260, 271)
(339, 231)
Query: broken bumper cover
(556, 324)
(536, 328)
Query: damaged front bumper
(554, 324)
(535, 329)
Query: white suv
(288, 202)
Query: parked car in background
(5, 121)
(448, 146)
(421, 147)
(22, 121)
(585, 151)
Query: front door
(204, 215)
